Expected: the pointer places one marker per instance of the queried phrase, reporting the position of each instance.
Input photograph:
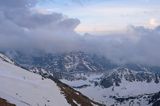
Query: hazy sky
(102, 16)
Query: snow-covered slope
(118, 83)
(24, 88)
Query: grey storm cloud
(21, 28)
(26, 30)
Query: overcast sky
(102, 16)
(51, 27)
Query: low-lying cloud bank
(137, 45)
(26, 30)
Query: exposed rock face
(3, 102)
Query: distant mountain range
(98, 77)
(19, 87)
(73, 62)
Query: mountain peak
(119, 75)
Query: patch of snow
(76, 103)
(24, 88)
